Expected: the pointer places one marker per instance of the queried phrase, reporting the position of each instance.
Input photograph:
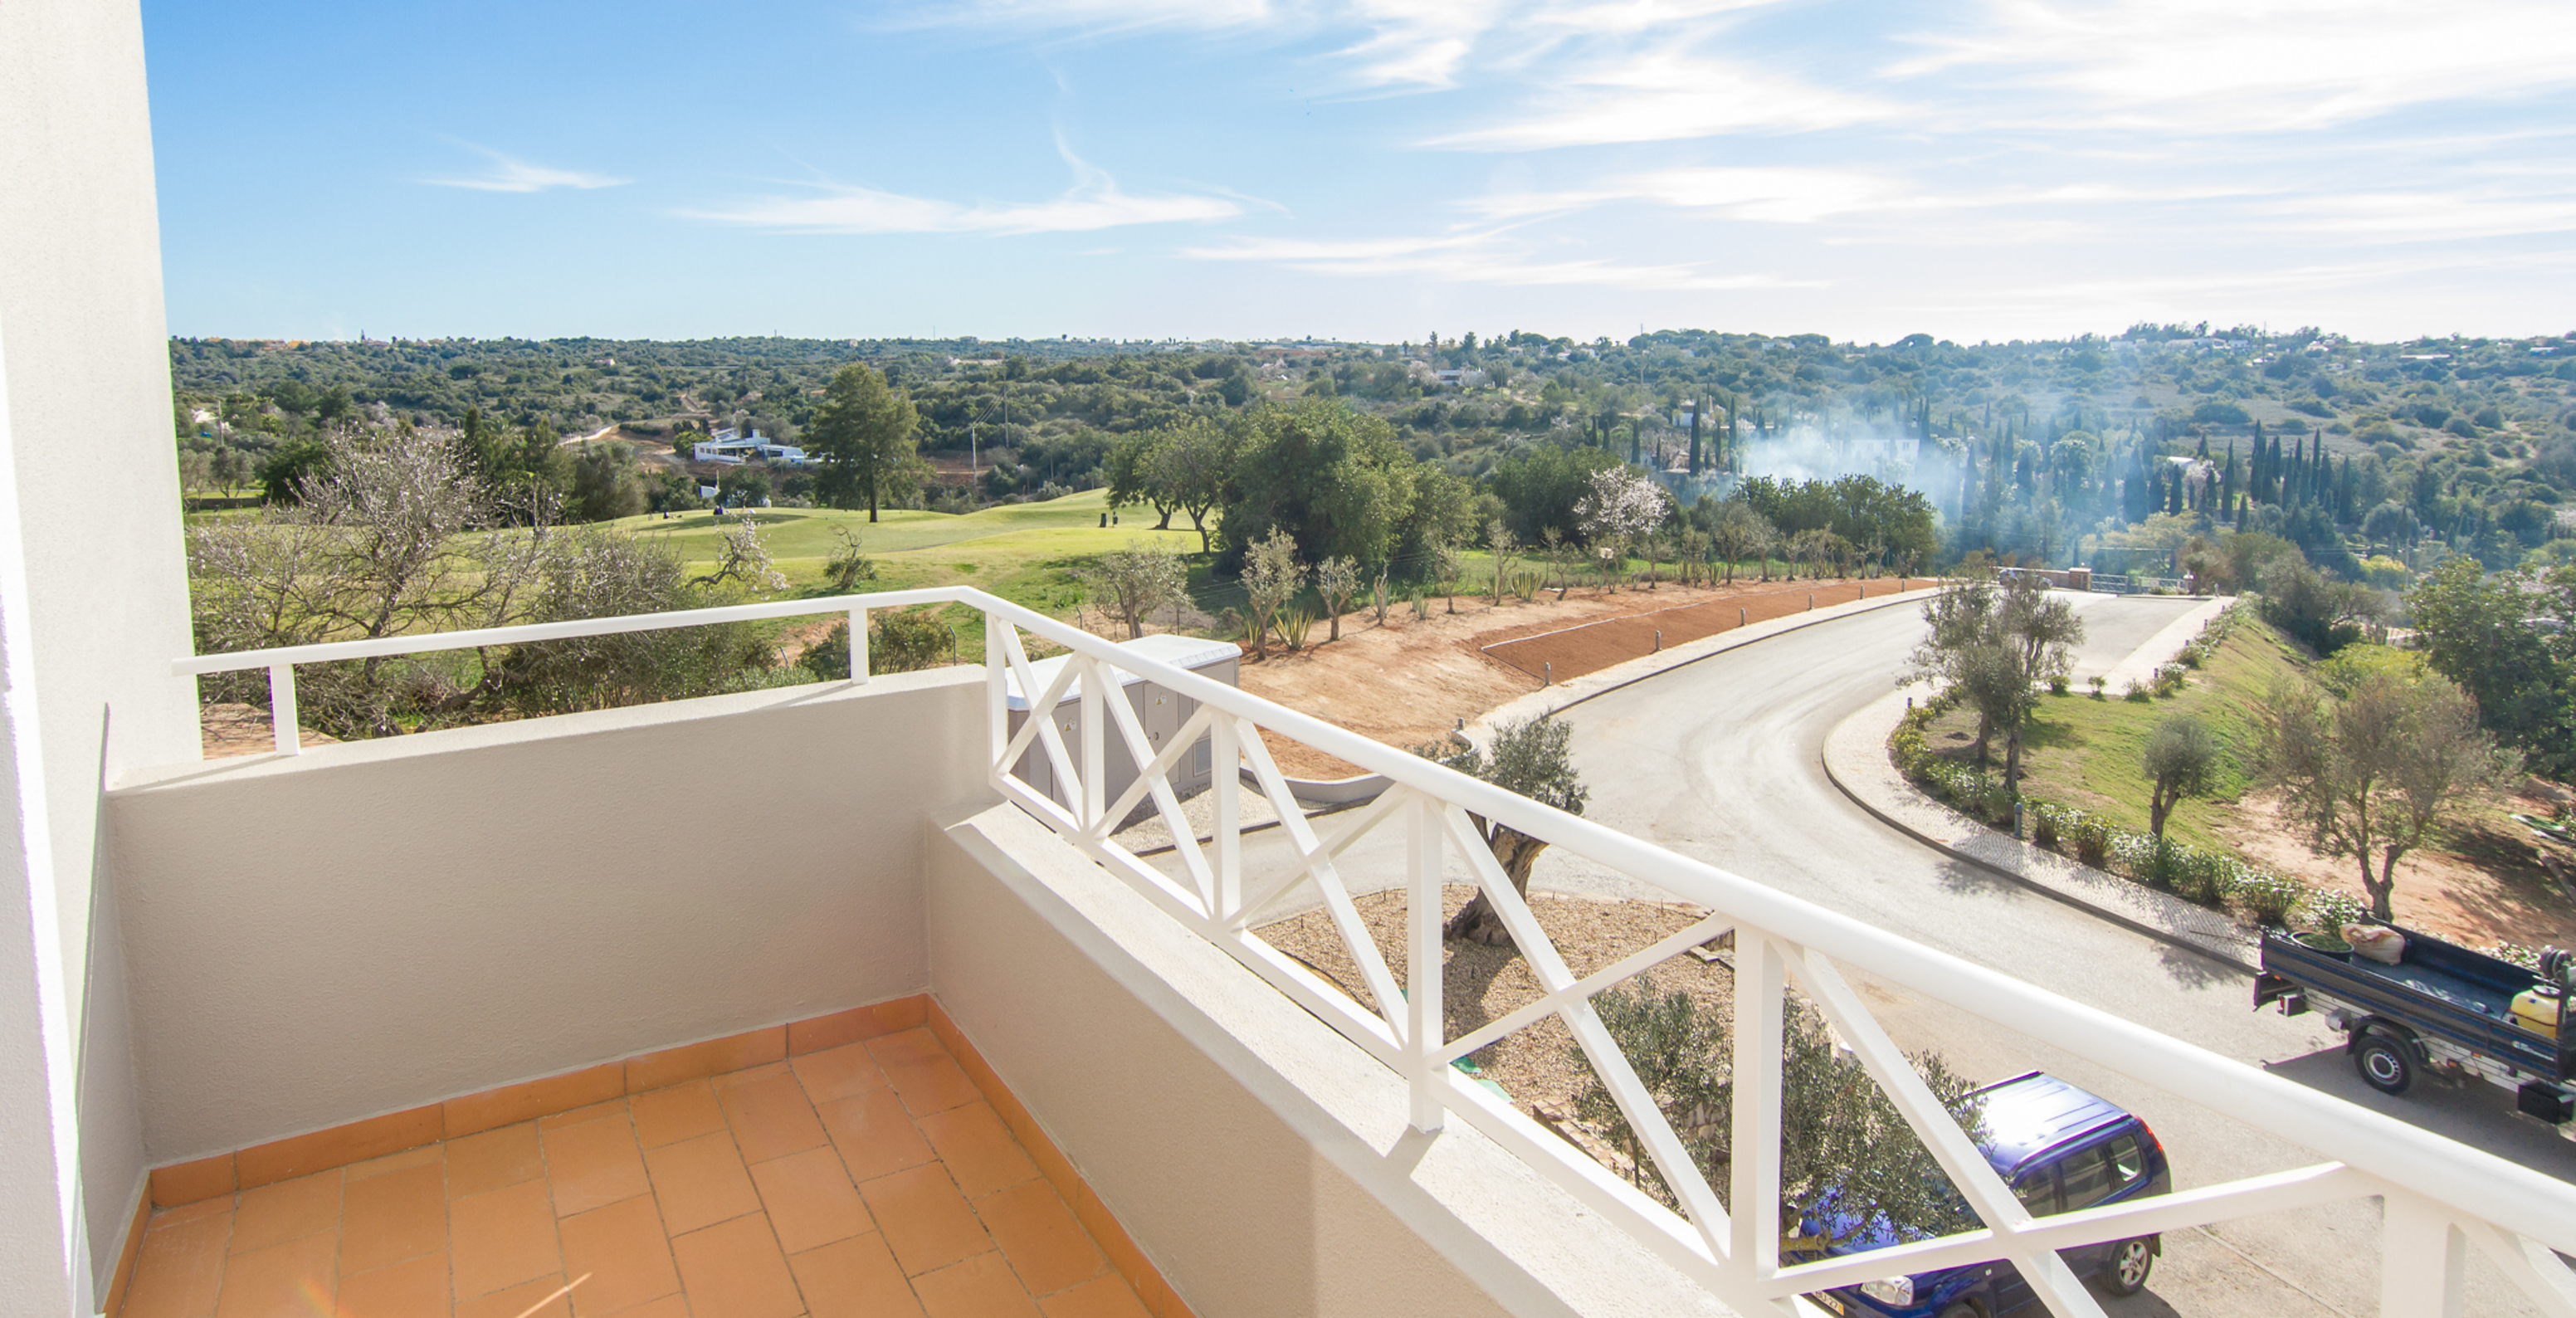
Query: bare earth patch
(2480, 886)
(227, 730)
(1479, 984)
(1408, 681)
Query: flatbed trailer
(2443, 1010)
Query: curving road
(1722, 761)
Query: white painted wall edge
(1522, 1241)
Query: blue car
(2060, 1149)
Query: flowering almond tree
(1622, 505)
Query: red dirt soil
(1590, 647)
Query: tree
(1506, 548)
(1272, 576)
(1335, 480)
(1337, 580)
(1990, 645)
(1190, 467)
(1622, 505)
(2040, 632)
(1447, 565)
(2181, 760)
(1842, 1140)
(1135, 581)
(1133, 477)
(604, 487)
(1738, 532)
(2510, 641)
(2379, 769)
(863, 437)
(1535, 759)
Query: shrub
(2057, 684)
(2170, 679)
(2043, 825)
(2330, 911)
(2135, 691)
(2098, 682)
(2269, 898)
(2093, 842)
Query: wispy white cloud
(1668, 95)
(1481, 257)
(511, 174)
(2271, 65)
(1095, 201)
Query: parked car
(2060, 1149)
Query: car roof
(2032, 1114)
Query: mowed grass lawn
(2084, 752)
(1027, 553)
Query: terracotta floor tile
(275, 1214)
(932, 1085)
(396, 1216)
(874, 1134)
(615, 1107)
(395, 1162)
(770, 1116)
(700, 1182)
(594, 1164)
(417, 1289)
(838, 1072)
(923, 1218)
(1104, 1297)
(854, 1278)
(479, 1164)
(811, 1200)
(621, 1249)
(980, 1287)
(1040, 1236)
(281, 1281)
(978, 1149)
(529, 1299)
(674, 1305)
(181, 1265)
(734, 1270)
(914, 1045)
(681, 1112)
(502, 1238)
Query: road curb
(1549, 700)
(1873, 724)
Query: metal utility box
(1160, 712)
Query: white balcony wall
(1263, 1161)
(93, 602)
(373, 926)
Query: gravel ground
(1536, 1065)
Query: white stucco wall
(1261, 1160)
(373, 926)
(95, 577)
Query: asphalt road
(1721, 761)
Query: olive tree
(2181, 760)
(1535, 759)
(2378, 770)
(1272, 575)
(1337, 580)
(1133, 582)
(1843, 1142)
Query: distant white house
(734, 447)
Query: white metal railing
(2440, 1197)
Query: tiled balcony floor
(871, 1179)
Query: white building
(734, 447)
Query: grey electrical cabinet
(1159, 711)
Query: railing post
(858, 645)
(1753, 1197)
(997, 695)
(1424, 998)
(282, 724)
(1095, 739)
(1225, 768)
(2423, 1258)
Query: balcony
(357, 962)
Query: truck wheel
(2131, 1262)
(2383, 1064)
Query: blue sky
(1378, 169)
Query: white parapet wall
(1263, 1161)
(371, 926)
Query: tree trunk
(1478, 921)
(2383, 894)
(2012, 757)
